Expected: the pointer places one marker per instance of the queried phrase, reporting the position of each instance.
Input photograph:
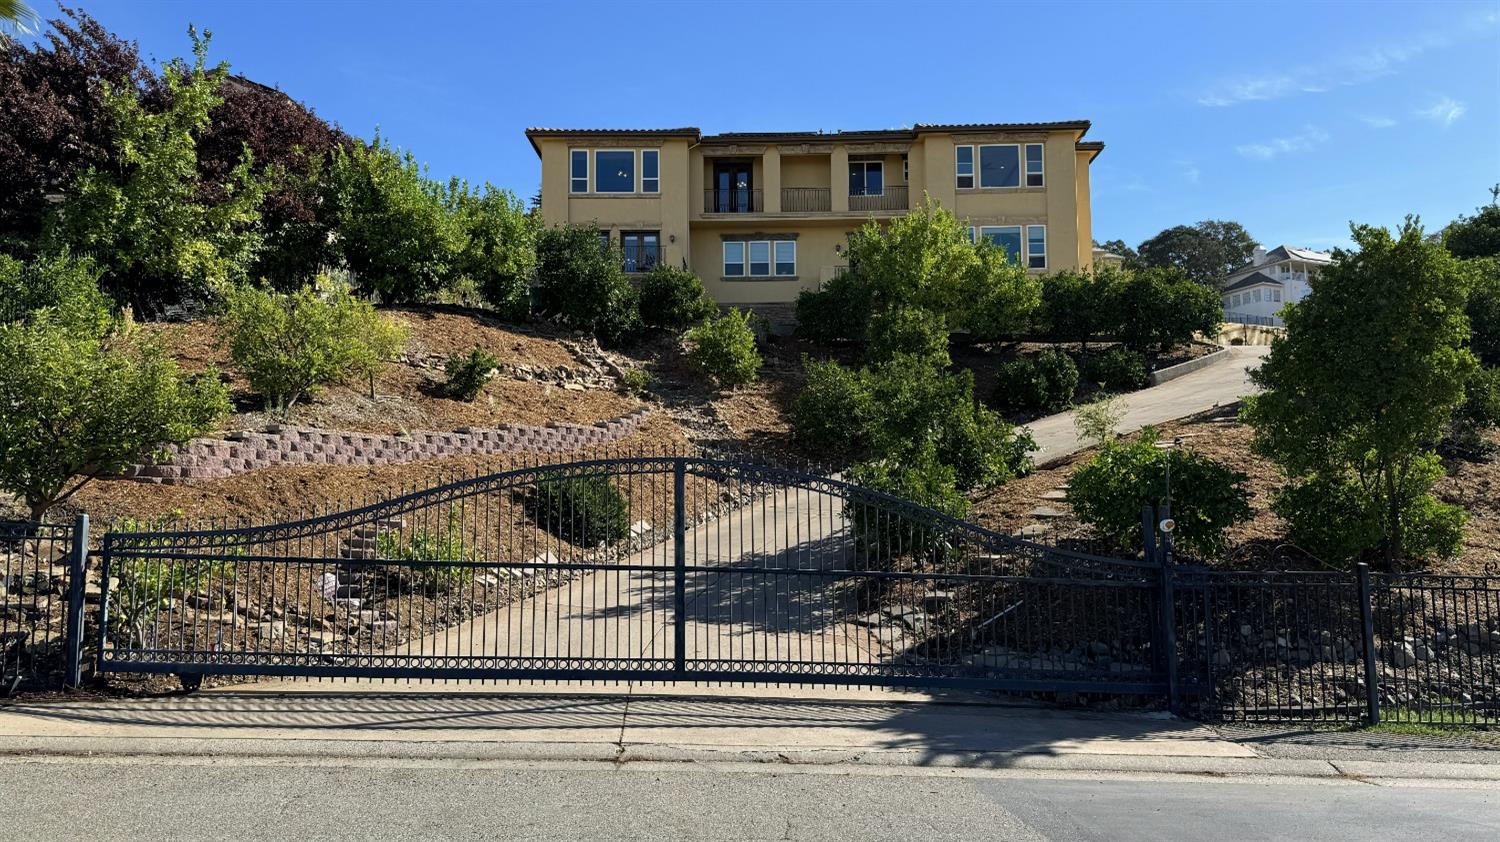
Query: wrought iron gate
(638, 569)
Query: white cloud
(1190, 171)
(1378, 121)
(1444, 111)
(1304, 140)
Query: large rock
(1402, 655)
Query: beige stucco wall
(816, 258)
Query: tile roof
(1080, 126)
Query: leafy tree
(1076, 306)
(834, 413)
(674, 298)
(724, 349)
(76, 404)
(579, 283)
(18, 16)
(54, 120)
(1359, 390)
(1042, 382)
(839, 312)
(155, 239)
(1159, 308)
(1119, 247)
(499, 250)
(1109, 492)
(1477, 235)
(908, 330)
(1206, 252)
(1479, 412)
(67, 286)
(1483, 310)
(395, 231)
(290, 345)
(883, 531)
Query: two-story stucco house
(1256, 292)
(760, 216)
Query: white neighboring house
(1256, 292)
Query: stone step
(1046, 512)
(1055, 494)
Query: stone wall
(280, 445)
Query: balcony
(806, 200)
(640, 258)
(891, 198)
(733, 200)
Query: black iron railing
(806, 199)
(41, 603)
(1250, 319)
(733, 200)
(889, 198)
(642, 258)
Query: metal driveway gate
(639, 569)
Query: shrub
(291, 345)
(1110, 491)
(446, 545)
(145, 586)
(1042, 382)
(674, 298)
(1155, 307)
(635, 380)
(1340, 523)
(908, 330)
(839, 312)
(724, 349)
(1075, 306)
(834, 410)
(67, 286)
(467, 376)
(1117, 370)
(884, 530)
(1097, 420)
(586, 510)
(1483, 309)
(580, 284)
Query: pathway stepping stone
(1046, 512)
(1055, 494)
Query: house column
(770, 177)
(838, 179)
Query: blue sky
(1291, 118)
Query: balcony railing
(806, 199)
(732, 200)
(893, 197)
(640, 258)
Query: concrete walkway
(1218, 384)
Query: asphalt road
(316, 799)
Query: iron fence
(40, 592)
(1250, 319)
(733, 200)
(806, 199)
(891, 197)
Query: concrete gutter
(1173, 372)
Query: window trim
(972, 176)
(1030, 258)
(657, 179)
(776, 264)
(641, 234)
(750, 259)
(634, 175)
(743, 261)
(1041, 172)
(865, 163)
(979, 170)
(588, 156)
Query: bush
(587, 510)
(1483, 310)
(1076, 306)
(1043, 382)
(1117, 370)
(908, 330)
(447, 545)
(292, 345)
(1111, 490)
(67, 286)
(1097, 420)
(674, 298)
(1160, 308)
(724, 349)
(635, 380)
(581, 285)
(1339, 523)
(839, 312)
(884, 530)
(834, 410)
(467, 376)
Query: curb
(1173, 372)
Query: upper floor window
(963, 166)
(1036, 247)
(866, 178)
(578, 163)
(614, 170)
(1000, 166)
(1034, 174)
(650, 171)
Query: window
(1256, 294)
(1034, 165)
(963, 167)
(734, 259)
(866, 178)
(614, 170)
(641, 248)
(905, 170)
(1036, 246)
(604, 241)
(579, 163)
(1235, 300)
(1275, 295)
(786, 257)
(971, 233)
(1000, 166)
(650, 171)
(1007, 237)
(760, 257)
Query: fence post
(679, 563)
(77, 581)
(1166, 636)
(1367, 618)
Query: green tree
(1119, 247)
(16, 15)
(69, 286)
(908, 330)
(1158, 308)
(1206, 252)
(154, 239)
(1360, 388)
(674, 298)
(580, 284)
(1483, 309)
(499, 246)
(724, 349)
(1477, 235)
(1078, 305)
(290, 345)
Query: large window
(760, 257)
(614, 170)
(579, 171)
(1036, 246)
(1034, 173)
(786, 257)
(866, 178)
(1007, 237)
(963, 166)
(1000, 166)
(650, 171)
(642, 250)
(734, 259)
